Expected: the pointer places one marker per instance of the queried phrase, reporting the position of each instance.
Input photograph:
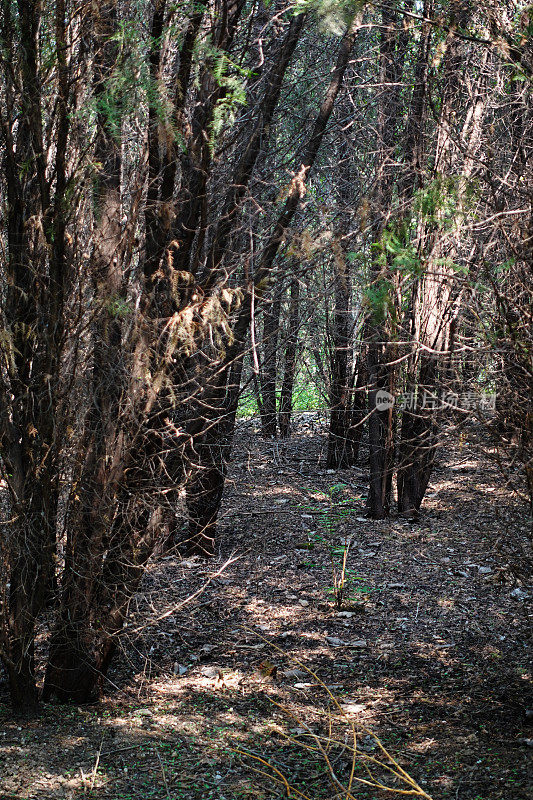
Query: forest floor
(430, 651)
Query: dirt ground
(430, 650)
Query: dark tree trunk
(189, 226)
(209, 462)
(379, 332)
(204, 494)
(358, 409)
(417, 447)
(432, 314)
(340, 340)
(269, 370)
(243, 173)
(339, 445)
(33, 296)
(291, 351)
(21, 680)
(77, 643)
(84, 641)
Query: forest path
(431, 650)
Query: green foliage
(129, 84)
(129, 75)
(379, 298)
(504, 267)
(400, 251)
(438, 202)
(119, 308)
(337, 489)
(247, 406)
(357, 257)
(306, 397)
(231, 79)
(227, 106)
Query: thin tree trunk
(251, 153)
(339, 454)
(358, 409)
(189, 226)
(434, 309)
(269, 371)
(291, 352)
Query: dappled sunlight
(266, 422)
(421, 652)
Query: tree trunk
(339, 446)
(379, 328)
(189, 226)
(433, 305)
(208, 467)
(234, 354)
(358, 408)
(269, 370)
(21, 678)
(291, 351)
(32, 297)
(75, 658)
(417, 446)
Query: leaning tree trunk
(189, 226)
(204, 513)
(214, 426)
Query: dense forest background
(211, 210)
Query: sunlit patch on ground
(431, 648)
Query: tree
(170, 174)
(124, 311)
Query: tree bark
(33, 297)
(379, 328)
(340, 454)
(209, 462)
(291, 352)
(74, 667)
(269, 371)
(433, 306)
